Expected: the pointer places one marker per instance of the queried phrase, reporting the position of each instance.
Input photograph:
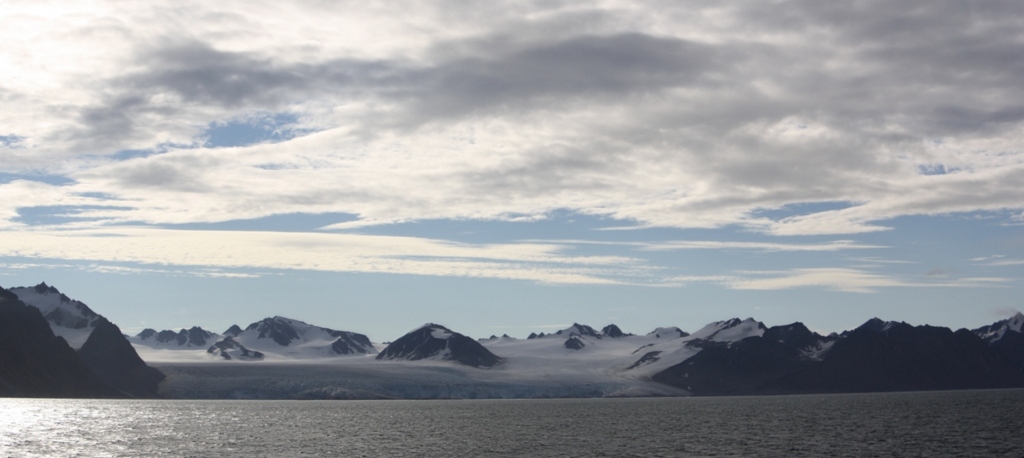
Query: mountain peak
(433, 341)
(433, 326)
(612, 331)
(878, 325)
(580, 329)
(997, 330)
(234, 330)
(670, 332)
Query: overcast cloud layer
(680, 114)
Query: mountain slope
(433, 341)
(877, 356)
(99, 343)
(68, 318)
(194, 337)
(286, 337)
(109, 354)
(1007, 338)
(36, 363)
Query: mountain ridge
(730, 357)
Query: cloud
(999, 261)
(211, 252)
(695, 116)
(839, 279)
(759, 246)
(124, 270)
(831, 278)
(673, 245)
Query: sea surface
(964, 423)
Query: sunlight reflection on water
(976, 423)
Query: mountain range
(79, 353)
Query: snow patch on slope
(997, 330)
(70, 319)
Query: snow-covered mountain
(1007, 338)
(670, 332)
(998, 330)
(274, 339)
(70, 319)
(876, 356)
(229, 349)
(664, 350)
(433, 341)
(98, 342)
(290, 338)
(36, 363)
(735, 356)
(583, 330)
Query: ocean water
(966, 423)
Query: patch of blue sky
(56, 180)
(582, 236)
(57, 214)
(949, 242)
(11, 140)
(250, 131)
(556, 225)
(133, 153)
(934, 169)
(799, 209)
(290, 222)
(97, 195)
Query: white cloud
(1003, 262)
(839, 279)
(694, 116)
(673, 245)
(211, 251)
(759, 246)
(832, 278)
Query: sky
(515, 167)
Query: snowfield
(538, 367)
(70, 319)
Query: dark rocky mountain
(1007, 338)
(877, 356)
(574, 342)
(433, 341)
(228, 349)
(613, 331)
(796, 335)
(350, 343)
(996, 331)
(68, 318)
(99, 343)
(1011, 347)
(233, 331)
(192, 337)
(579, 329)
(36, 363)
(109, 354)
(584, 331)
(276, 329)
